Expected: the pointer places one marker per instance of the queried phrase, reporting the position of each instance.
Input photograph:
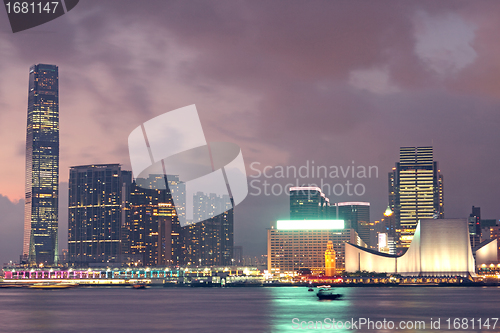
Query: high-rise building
(154, 228)
(308, 203)
(415, 191)
(475, 226)
(210, 242)
(356, 216)
(99, 198)
(40, 245)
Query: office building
(415, 190)
(99, 197)
(356, 216)
(154, 228)
(308, 203)
(40, 244)
(294, 245)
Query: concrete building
(486, 252)
(440, 247)
(293, 245)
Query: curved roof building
(440, 247)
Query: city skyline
(377, 83)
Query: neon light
(305, 188)
(353, 203)
(309, 224)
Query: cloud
(374, 80)
(444, 42)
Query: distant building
(475, 226)
(294, 245)
(40, 242)
(330, 260)
(238, 255)
(308, 203)
(210, 242)
(495, 234)
(98, 211)
(486, 224)
(415, 190)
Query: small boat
(327, 293)
(310, 289)
(325, 286)
(139, 285)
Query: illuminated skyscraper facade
(210, 242)
(40, 245)
(415, 190)
(308, 203)
(356, 216)
(98, 213)
(154, 229)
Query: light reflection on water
(233, 309)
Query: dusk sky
(340, 83)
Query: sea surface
(278, 309)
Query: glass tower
(98, 211)
(42, 167)
(416, 190)
(308, 203)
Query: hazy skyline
(288, 81)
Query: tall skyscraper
(40, 245)
(308, 203)
(415, 190)
(99, 198)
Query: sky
(293, 83)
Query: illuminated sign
(353, 203)
(309, 224)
